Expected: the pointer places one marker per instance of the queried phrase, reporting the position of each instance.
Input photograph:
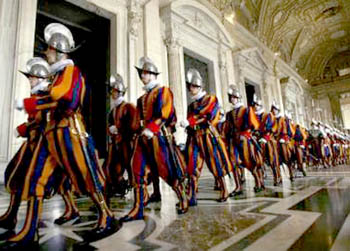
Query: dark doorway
(92, 58)
(250, 91)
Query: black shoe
(74, 217)
(99, 233)
(8, 224)
(154, 198)
(222, 199)
(128, 218)
(235, 193)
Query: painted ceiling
(313, 36)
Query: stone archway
(189, 26)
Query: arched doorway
(92, 58)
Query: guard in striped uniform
(65, 141)
(268, 143)
(122, 126)
(285, 133)
(242, 121)
(204, 143)
(299, 152)
(38, 72)
(155, 151)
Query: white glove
(148, 133)
(184, 123)
(19, 104)
(113, 129)
(262, 140)
(282, 141)
(16, 133)
(310, 146)
(302, 147)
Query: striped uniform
(204, 143)
(64, 143)
(124, 118)
(157, 155)
(268, 127)
(299, 138)
(285, 132)
(17, 169)
(242, 121)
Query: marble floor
(312, 213)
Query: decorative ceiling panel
(310, 35)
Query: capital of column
(135, 17)
(173, 43)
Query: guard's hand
(263, 141)
(282, 141)
(148, 133)
(113, 129)
(19, 104)
(184, 123)
(302, 146)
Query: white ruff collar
(278, 115)
(42, 86)
(260, 111)
(116, 102)
(199, 95)
(238, 105)
(60, 65)
(150, 85)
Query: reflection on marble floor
(311, 213)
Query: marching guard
(242, 121)
(268, 143)
(204, 143)
(122, 126)
(65, 142)
(155, 151)
(38, 72)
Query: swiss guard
(269, 148)
(65, 142)
(122, 126)
(204, 143)
(155, 151)
(285, 133)
(242, 121)
(38, 72)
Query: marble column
(279, 93)
(135, 17)
(238, 76)
(8, 31)
(176, 82)
(152, 35)
(334, 99)
(17, 22)
(223, 76)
